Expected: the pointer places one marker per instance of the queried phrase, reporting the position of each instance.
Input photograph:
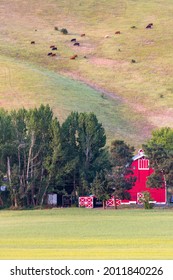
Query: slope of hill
(129, 98)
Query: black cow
(49, 54)
(54, 49)
(150, 25)
(76, 44)
(73, 40)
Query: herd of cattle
(77, 44)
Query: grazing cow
(53, 54)
(117, 32)
(52, 46)
(73, 40)
(133, 27)
(32, 42)
(49, 54)
(133, 61)
(54, 49)
(76, 44)
(74, 56)
(82, 35)
(150, 25)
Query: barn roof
(139, 155)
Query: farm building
(141, 170)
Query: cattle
(73, 40)
(82, 35)
(76, 44)
(52, 46)
(54, 49)
(74, 56)
(133, 61)
(117, 32)
(49, 54)
(133, 27)
(150, 25)
(32, 42)
(53, 54)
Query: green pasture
(137, 96)
(27, 85)
(86, 234)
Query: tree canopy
(38, 155)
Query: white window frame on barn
(143, 164)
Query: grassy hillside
(129, 98)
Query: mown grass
(86, 234)
(144, 88)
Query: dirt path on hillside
(143, 124)
(158, 118)
(77, 77)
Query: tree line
(40, 156)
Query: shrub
(146, 200)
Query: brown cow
(74, 56)
(117, 32)
(32, 42)
(82, 35)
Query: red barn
(141, 170)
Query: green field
(130, 99)
(86, 234)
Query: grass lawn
(86, 234)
